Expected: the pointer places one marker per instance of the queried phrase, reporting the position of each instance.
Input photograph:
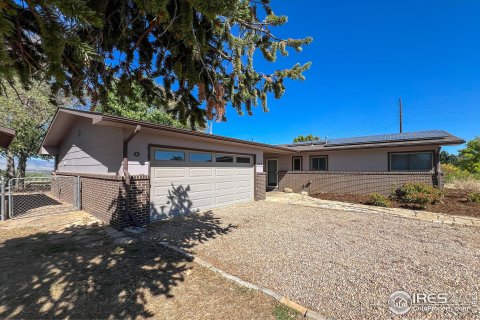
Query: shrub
(379, 200)
(417, 193)
(453, 173)
(473, 197)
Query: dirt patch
(454, 202)
(51, 274)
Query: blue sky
(365, 55)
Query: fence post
(2, 205)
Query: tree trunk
(10, 166)
(22, 166)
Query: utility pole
(401, 114)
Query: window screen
(319, 163)
(166, 155)
(418, 161)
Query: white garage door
(184, 181)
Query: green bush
(453, 173)
(379, 200)
(473, 197)
(417, 193)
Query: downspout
(126, 174)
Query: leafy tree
(308, 138)
(201, 51)
(448, 158)
(135, 107)
(28, 112)
(470, 156)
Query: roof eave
(159, 127)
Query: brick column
(260, 185)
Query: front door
(272, 172)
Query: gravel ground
(342, 264)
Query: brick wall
(350, 182)
(104, 197)
(139, 199)
(260, 185)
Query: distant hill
(33, 165)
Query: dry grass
(45, 275)
(469, 184)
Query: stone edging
(307, 313)
(436, 218)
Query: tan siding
(91, 149)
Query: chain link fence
(39, 196)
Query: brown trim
(7, 131)
(301, 163)
(317, 156)
(414, 151)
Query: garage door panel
(243, 195)
(224, 172)
(200, 187)
(244, 171)
(243, 189)
(243, 183)
(224, 185)
(201, 172)
(160, 173)
(224, 199)
(179, 190)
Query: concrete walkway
(303, 200)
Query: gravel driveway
(342, 264)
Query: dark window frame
(293, 163)
(432, 167)
(318, 156)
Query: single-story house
(136, 172)
(6, 137)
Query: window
(167, 155)
(200, 157)
(297, 164)
(412, 161)
(244, 159)
(223, 158)
(318, 163)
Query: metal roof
(406, 136)
(438, 137)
